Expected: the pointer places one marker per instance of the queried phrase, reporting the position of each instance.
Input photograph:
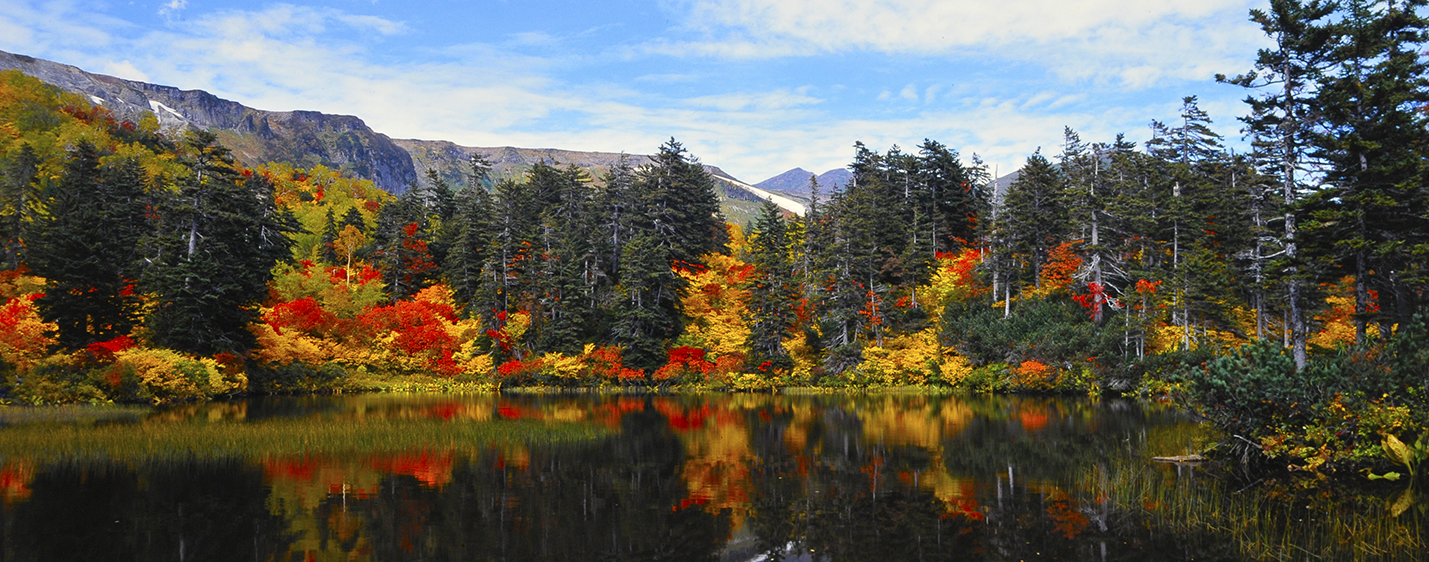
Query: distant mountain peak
(796, 183)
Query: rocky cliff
(301, 138)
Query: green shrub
(1054, 331)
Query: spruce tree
(1367, 220)
(468, 252)
(1282, 119)
(1034, 212)
(773, 291)
(20, 200)
(400, 245)
(219, 237)
(87, 248)
(331, 228)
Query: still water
(705, 477)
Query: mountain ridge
(307, 138)
(795, 182)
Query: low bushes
(1336, 412)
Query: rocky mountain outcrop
(795, 182)
(301, 138)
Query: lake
(732, 477)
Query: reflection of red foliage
(682, 418)
(296, 469)
(1065, 516)
(15, 482)
(429, 469)
(443, 411)
(1033, 420)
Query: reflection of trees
(854, 492)
(195, 511)
(827, 478)
(622, 499)
(1068, 439)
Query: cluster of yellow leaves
(1337, 326)
(311, 193)
(805, 358)
(566, 367)
(954, 280)
(50, 121)
(170, 375)
(902, 360)
(24, 337)
(716, 306)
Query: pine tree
(219, 237)
(565, 258)
(1034, 214)
(400, 245)
(1367, 220)
(353, 218)
(960, 199)
(329, 238)
(1281, 122)
(773, 291)
(87, 248)
(469, 251)
(648, 314)
(20, 200)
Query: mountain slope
(302, 138)
(342, 142)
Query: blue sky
(754, 86)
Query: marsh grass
(277, 438)
(1264, 521)
(70, 414)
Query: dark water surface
(710, 477)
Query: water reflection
(718, 477)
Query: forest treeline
(144, 267)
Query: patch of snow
(156, 106)
(783, 202)
(97, 100)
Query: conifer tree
(87, 248)
(1034, 212)
(20, 200)
(648, 314)
(400, 245)
(219, 237)
(1281, 123)
(329, 238)
(1367, 220)
(773, 291)
(468, 252)
(565, 257)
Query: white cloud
(126, 70)
(779, 99)
(173, 6)
(1134, 42)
